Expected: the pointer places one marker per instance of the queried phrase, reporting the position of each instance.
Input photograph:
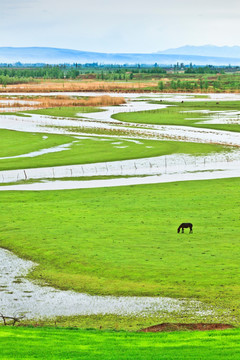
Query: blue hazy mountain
(59, 56)
(205, 50)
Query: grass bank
(14, 143)
(174, 114)
(50, 343)
(87, 150)
(65, 111)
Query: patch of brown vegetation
(81, 86)
(91, 85)
(59, 101)
(184, 327)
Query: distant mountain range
(206, 50)
(205, 55)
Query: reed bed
(66, 101)
(70, 86)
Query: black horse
(184, 226)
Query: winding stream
(164, 168)
(169, 168)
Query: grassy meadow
(87, 150)
(124, 241)
(57, 343)
(65, 111)
(14, 143)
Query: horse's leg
(190, 230)
(182, 230)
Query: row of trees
(118, 73)
(54, 72)
(7, 80)
(114, 75)
(203, 84)
(184, 85)
(202, 70)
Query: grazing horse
(184, 226)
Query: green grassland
(172, 115)
(50, 343)
(123, 241)
(88, 150)
(65, 111)
(14, 143)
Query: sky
(128, 26)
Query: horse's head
(178, 230)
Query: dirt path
(183, 327)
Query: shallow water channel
(178, 167)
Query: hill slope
(56, 56)
(206, 50)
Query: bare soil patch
(183, 327)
